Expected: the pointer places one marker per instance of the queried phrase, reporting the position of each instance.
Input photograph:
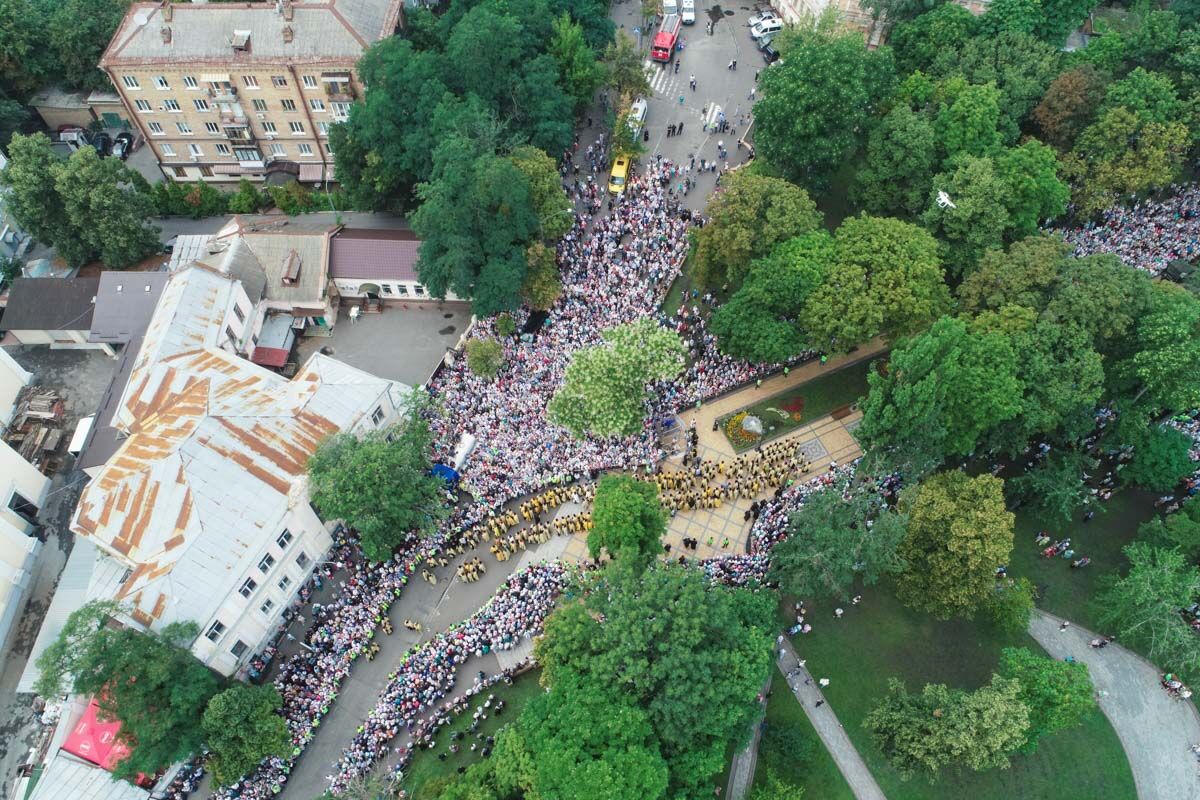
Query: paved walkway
(741, 771)
(1155, 730)
(862, 783)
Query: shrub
(506, 325)
(485, 357)
(291, 198)
(247, 199)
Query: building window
(402, 290)
(266, 607)
(183, 128)
(278, 150)
(213, 128)
(341, 110)
(316, 105)
(167, 150)
(190, 83)
(200, 104)
(205, 171)
(170, 105)
(130, 82)
(237, 312)
(143, 106)
(24, 509)
(160, 82)
(223, 149)
(284, 539)
(265, 564)
(323, 127)
(284, 583)
(248, 587)
(155, 128)
(214, 631)
(246, 154)
(310, 81)
(259, 105)
(418, 290)
(269, 127)
(377, 415)
(194, 149)
(302, 560)
(239, 647)
(250, 81)
(288, 105)
(180, 172)
(306, 149)
(386, 287)
(279, 81)
(297, 128)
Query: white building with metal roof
(203, 510)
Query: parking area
(401, 344)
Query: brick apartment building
(223, 91)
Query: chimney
(287, 10)
(168, 10)
(288, 34)
(166, 34)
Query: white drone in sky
(944, 201)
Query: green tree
(918, 42)
(476, 219)
(1102, 296)
(979, 218)
(968, 123)
(1033, 190)
(485, 357)
(1055, 488)
(242, 726)
(902, 10)
(37, 208)
(1141, 608)
(584, 743)
(579, 72)
(604, 391)
(1021, 276)
(833, 542)
(1149, 95)
(77, 32)
(759, 323)
(24, 60)
(148, 681)
(627, 520)
(942, 726)
(1166, 362)
(678, 648)
(815, 105)
(746, 220)
(958, 533)
(1070, 105)
(554, 210)
(1058, 694)
(775, 788)
(901, 155)
(1161, 459)
(1063, 16)
(13, 117)
(1020, 16)
(381, 488)
(1180, 530)
(944, 389)
(247, 199)
(1010, 606)
(543, 286)
(107, 213)
(625, 70)
(885, 278)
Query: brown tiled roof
(369, 254)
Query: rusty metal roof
(214, 457)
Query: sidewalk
(862, 783)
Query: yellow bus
(620, 172)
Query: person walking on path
(692, 81)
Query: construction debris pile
(36, 431)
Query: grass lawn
(803, 404)
(880, 639)
(1065, 591)
(426, 766)
(818, 774)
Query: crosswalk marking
(711, 117)
(663, 80)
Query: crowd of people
(1149, 234)
(428, 673)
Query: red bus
(664, 41)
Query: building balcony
(223, 94)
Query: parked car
(766, 40)
(103, 144)
(637, 115)
(766, 27)
(770, 54)
(688, 11)
(123, 146)
(762, 16)
(618, 176)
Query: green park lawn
(881, 638)
(784, 412)
(818, 774)
(426, 766)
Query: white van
(765, 27)
(670, 7)
(688, 11)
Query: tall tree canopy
(605, 388)
(1058, 694)
(242, 726)
(958, 533)
(381, 488)
(627, 520)
(148, 681)
(747, 220)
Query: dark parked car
(103, 143)
(770, 54)
(123, 146)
